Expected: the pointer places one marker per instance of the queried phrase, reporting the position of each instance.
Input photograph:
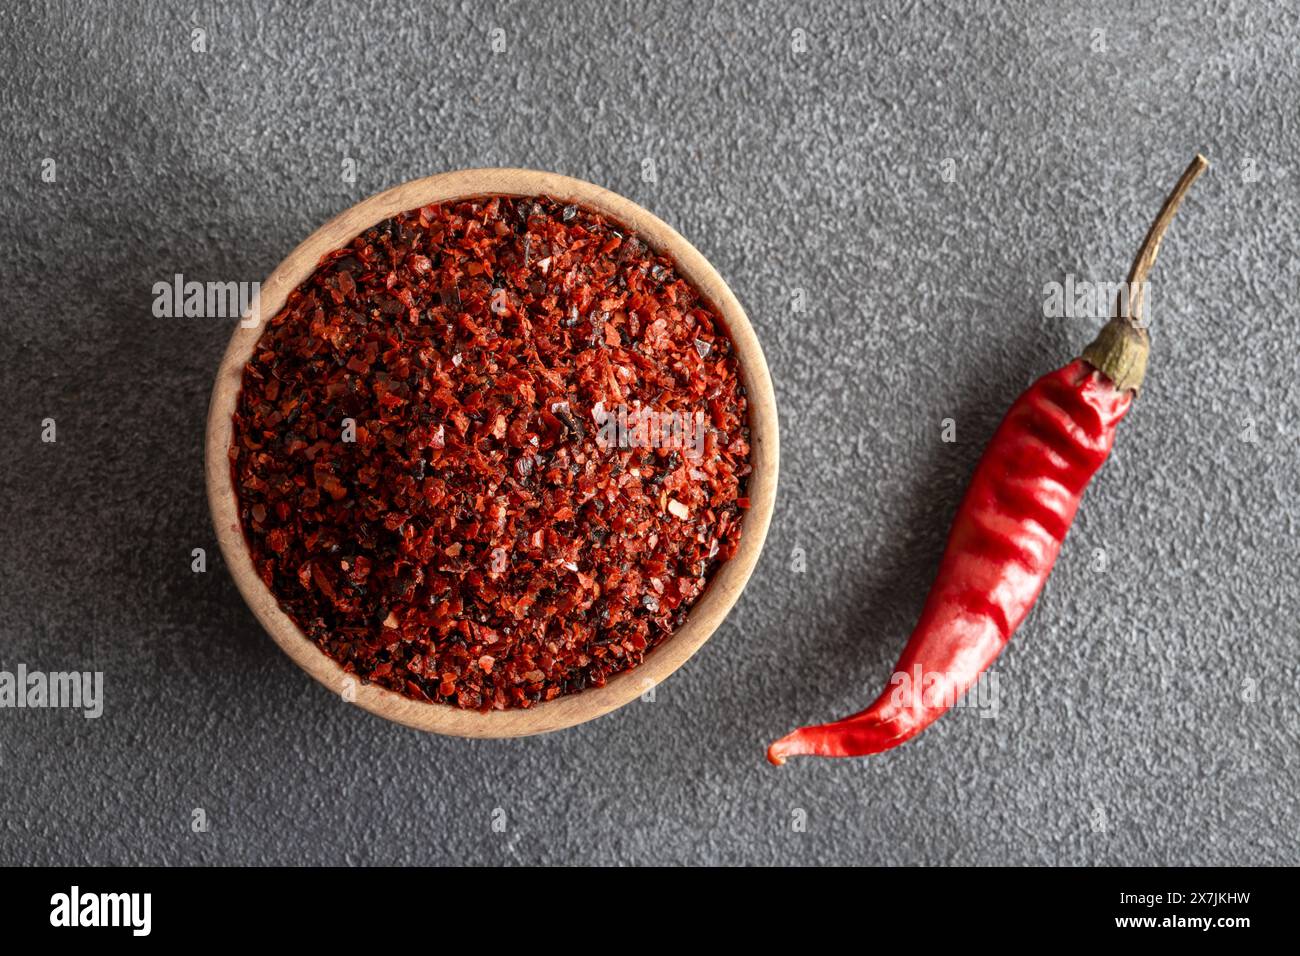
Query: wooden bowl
(703, 618)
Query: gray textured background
(1160, 693)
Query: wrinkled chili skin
(1004, 541)
(474, 544)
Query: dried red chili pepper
(1009, 527)
(422, 479)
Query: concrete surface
(1148, 707)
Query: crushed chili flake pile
(424, 472)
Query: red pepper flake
(478, 347)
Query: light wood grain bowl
(703, 618)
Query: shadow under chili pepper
(916, 529)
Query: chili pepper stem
(1120, 350)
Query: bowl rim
(704, 616)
